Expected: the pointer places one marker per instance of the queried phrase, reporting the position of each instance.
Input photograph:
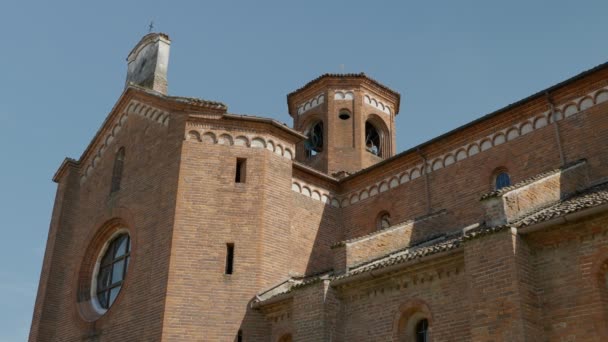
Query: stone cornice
(65, 164)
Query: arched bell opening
(315, 142)
(377, 139)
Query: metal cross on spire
(151, 26)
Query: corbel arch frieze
(134, 107)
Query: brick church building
(183, 222)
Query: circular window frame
(87, 303)
(95, 304)
(344, 114)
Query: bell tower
(349, 120)
(148, 62)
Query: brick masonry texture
(310, 263)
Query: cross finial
(151, 26)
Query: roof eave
(536, 95)
(296, 134)
(67, 162)
(393, 268)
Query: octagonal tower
(349, 120)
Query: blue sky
(63, 68)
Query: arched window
(372, 139)
(314, 143)
(502, 180)
(113, 268)
(383, 221)
(117, 171)
(422, 330)
(413, 322)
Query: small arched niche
(501, 178)
(383, 220)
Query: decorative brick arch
(407, 316)
(103, 232)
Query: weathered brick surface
(459, 186)
(181, 204)
(501, 288)
(570, 280)
(344, 140)
(145, 204)
(371, 308)
(523, 200)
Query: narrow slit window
(239, 336)
(241, 170)
(422, 331)
(229, 258)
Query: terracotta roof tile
(393, 227)
(351, 75)
(198, 102)
(407, 255)
(183, 99)
(589, 198)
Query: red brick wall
(315, 226)
(499, 286)
(213, 210)
(371, 308)
(145, 202)
(344, 140)
(182, 206)
(458, 187)
(567, 263)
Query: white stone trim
(134, 108)
(310, 104)
(94, 301)
(251, 140)
(314, 192)
(499, 137)
(371, 101)
(342, 95)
